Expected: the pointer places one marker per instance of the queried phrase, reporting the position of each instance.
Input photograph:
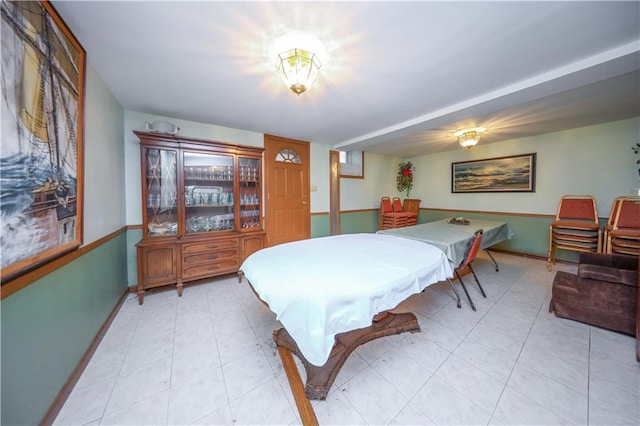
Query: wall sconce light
(298, 69)
(468, 138)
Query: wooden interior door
(287, 210)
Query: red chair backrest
(397, 205)
(577, 207)
(614, 210)
(385, 205)
(628, 214)
(474, 247)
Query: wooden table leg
(320, 379)
(307, 415)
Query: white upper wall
(319, 177)
(379, 180)
(104, 168)
(319, 168)
(594, 160)
(355, 194)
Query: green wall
(531, 232)
(133, 237)
(359, 221)
(319, 225)
(48, 326)
(350, 223)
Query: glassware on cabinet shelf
(250, 206)
(161, 190)
(250, 219)
(210, 223)
(208, 192)
(209, 173)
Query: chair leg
(477, 282)
(494, 261)
(458, 304)
(465, 291)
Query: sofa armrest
(638, 322)
(618, 261)
(608, 274)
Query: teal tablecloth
(454, 239)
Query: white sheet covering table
(324, 286)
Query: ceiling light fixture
(468, 138)
(298, 68)
(298, 57)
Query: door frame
(334, 192)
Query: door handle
(305, 203)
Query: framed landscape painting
(43, 72)
(516, 173)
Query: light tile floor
(208, 358)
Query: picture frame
(42, 143)
(515, 173)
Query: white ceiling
(401, 78)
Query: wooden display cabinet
(201, 209)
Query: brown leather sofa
(604, 293)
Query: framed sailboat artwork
(41, 157)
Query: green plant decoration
(404, 180)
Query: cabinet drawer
(209, 246)
(210, 268)
(211, 256)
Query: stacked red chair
(576, 227)
(387, 218)
(624, 235)
(412, 218)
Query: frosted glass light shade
(298, 69)
(468, 138)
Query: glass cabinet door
(161, 190)
(250, 193)
(208, 192)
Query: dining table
(453, 235)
